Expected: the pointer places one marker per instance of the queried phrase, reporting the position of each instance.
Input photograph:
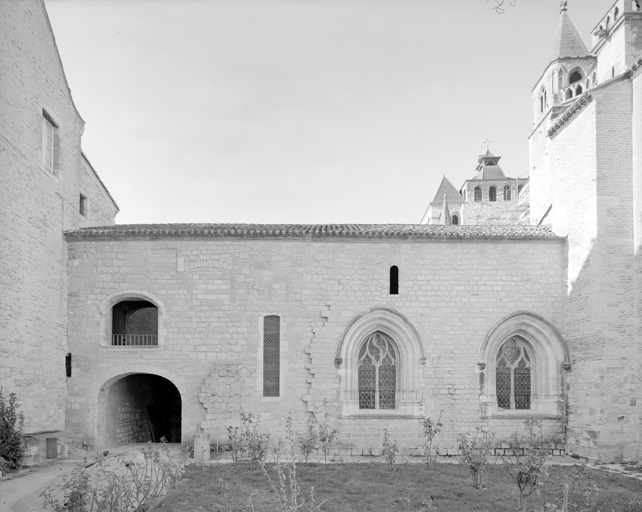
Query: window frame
(410, 363)
(50, 145)
(266, 352)
(378, 364)
(83, 206)
(512, 368)
(107, 319)
(394, 280)
(550, 360)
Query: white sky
(301, 111)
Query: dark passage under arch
(141, 408)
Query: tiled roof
(309, 232)
(490, 172)
(447, 189)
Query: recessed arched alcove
(138, 408)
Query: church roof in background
(447, 189)
(488, 167)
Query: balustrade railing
(575, 89)
(134, 340)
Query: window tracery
(513, 376)
(522, 361)
(377, 373)
(380, 359)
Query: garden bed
(373, 487)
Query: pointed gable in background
(449, 191)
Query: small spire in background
(444, 218)
(564, 6)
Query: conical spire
(566, 42)
(444, 218)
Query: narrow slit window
(50, 144)
(83, 205)
(68, 364)
(271, 355)
(394, 280)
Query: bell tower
(568, 72)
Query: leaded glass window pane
(367, 386)
(503, 388)
(377, 373)
(513, 376)
(522, 388)
(271, 355)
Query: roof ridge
(310, 231)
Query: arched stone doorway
(137, 408)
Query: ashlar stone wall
(212, 296)
(36, 206)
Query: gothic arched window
(513, 375)
(455, 220)
(377, 372)
(575, 76)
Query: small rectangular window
(50, 144)
(394, 280)
(271, 355)
(68, 364)
(83, 206)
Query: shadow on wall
(142, 408)
(603, 385)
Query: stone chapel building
(124, 333)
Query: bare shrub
(247, 440)
(129, 486)
(475, 448)
(525, 459)
(389, 449)
(430, 430)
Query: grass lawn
(372, 487)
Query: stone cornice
(635, 69)
(570, 114)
